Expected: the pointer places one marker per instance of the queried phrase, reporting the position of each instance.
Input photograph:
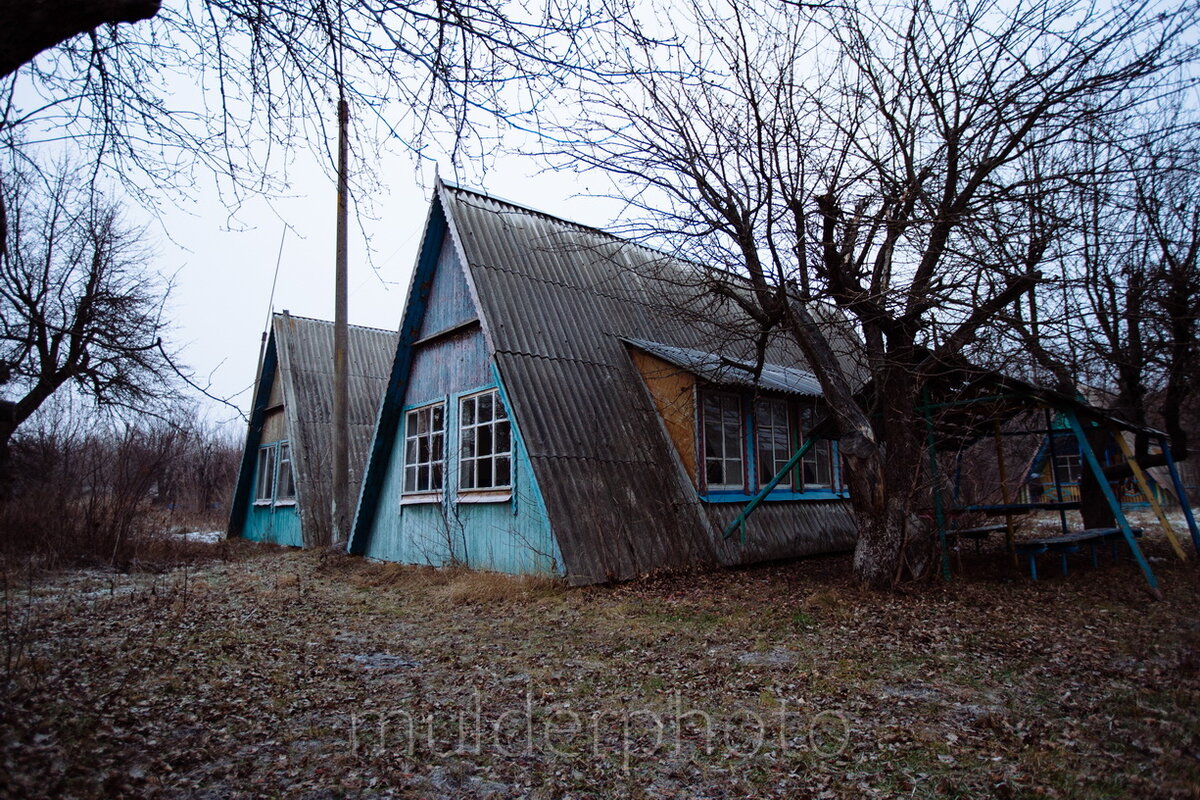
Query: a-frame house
(284, 487)
(565, 402)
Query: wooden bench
(1071, 543)
(977, 534)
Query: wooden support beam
(1144, 485)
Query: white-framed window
(816, 468)
(425, 449)
(275, 482)
(485, 443)
(817, 465)
(285, 481)
(264, 486)
(774, 439)
(1070, 467)
(724, 460)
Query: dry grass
(267, 675)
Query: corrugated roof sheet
(731, 372)
(558, 302)
(305, 355)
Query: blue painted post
(1113, 503)
(1181, 493)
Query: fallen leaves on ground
(284, 673)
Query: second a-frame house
(284, 488)
(566, 402)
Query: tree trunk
(1093, 506)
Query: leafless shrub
(104, 491)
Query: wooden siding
(450, 301)
(275, 398)
(512, 537)
(274, 426)
(273, 524)
(456, 363)
(276, 525)
(674, 395)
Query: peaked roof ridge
(601, 232)
(304, 318)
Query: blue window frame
(745, 441)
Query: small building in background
(284, 487)
(566, 402)
(1057, 468)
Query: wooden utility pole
(341, 334)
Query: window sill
(420, 499)
(285, 503)
(486, 497)
(262, 503)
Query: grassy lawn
(267, 672)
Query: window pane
(485, 443)
(712, 437)
(483, 472)
(424, 447)
(723, 432)
(503, 472)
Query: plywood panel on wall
(674, 394)
(274, 428)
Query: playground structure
(963, 406)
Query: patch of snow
(211, 537)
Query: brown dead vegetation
(268, 675)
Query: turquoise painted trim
(390, 410)
(1181, 493)
(1098, 471)
(240, 507)
(778, 495)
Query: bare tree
(1122, 314)
(79, 306)
(888, 160)
(231, 87)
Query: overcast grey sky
(224, 267)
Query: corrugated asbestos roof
(730, 372)
(305, 361)
(558, 301)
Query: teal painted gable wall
(273, 524)
(511, 536)
(270, 523)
